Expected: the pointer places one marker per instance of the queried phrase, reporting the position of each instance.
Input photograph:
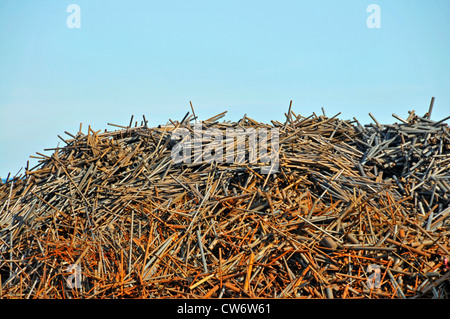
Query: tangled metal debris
(353, 211)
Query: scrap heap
(353, 212)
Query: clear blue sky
(153, 57)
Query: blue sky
(246, 57)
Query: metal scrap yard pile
(351, 211)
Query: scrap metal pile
(352, 211)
